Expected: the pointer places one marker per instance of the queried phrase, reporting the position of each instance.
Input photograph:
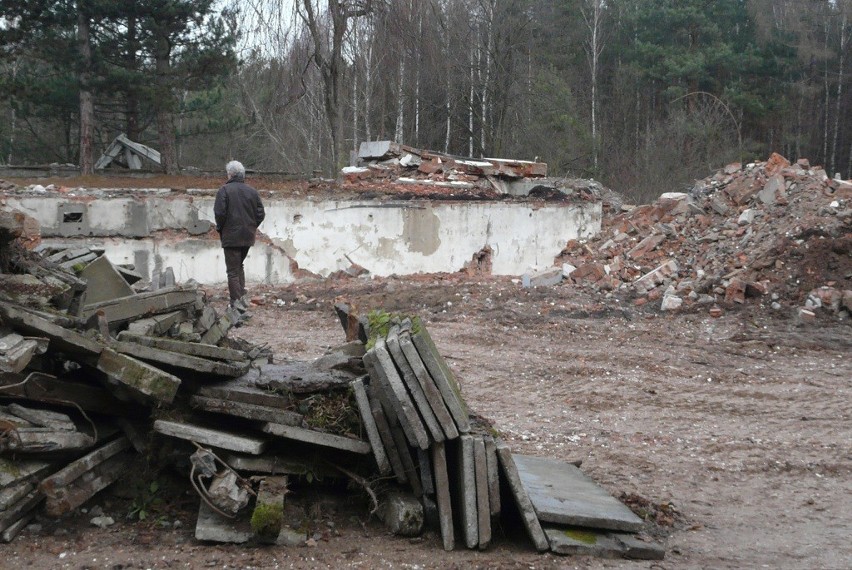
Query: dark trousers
(234, 257)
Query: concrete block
(14, 493)
(290, 536)
(103, 281)
(370, 427)
(746, 217)
(544, 278)
(561, 493)
(442, 495)
(211, 437)
(318, 438)
(143, 380)
(402, 513)
(16, 352)
(522, 499)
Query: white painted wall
(322, 236)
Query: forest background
(643, 95)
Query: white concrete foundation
(322, 236)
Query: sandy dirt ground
(735, 430)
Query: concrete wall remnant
(319, 236)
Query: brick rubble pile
(774, 233)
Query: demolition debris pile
(776, 232)
(97, 366)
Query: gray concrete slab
(268, 513)
(466, 486)
(147, 382)
(158, 324)
(189, 348)
(60, 501)
(317, 438)
(41, 440)
(522, 499)
(281, 464)
(211, 437)
(77, 468)
(562, 494)
(383, 427)
(430, 388)
(442, 495)
(248, 411)
(19, 510)
(413, 385)
(370, 427)
(14, 493)
(61, 338)
(638, 549)
(104, 282)
(442, 376)
(213, 527)
(143, 304)
(403, 411)
(198, 366)
(21, 469)
(483, 507)
(52, 390)
(583, 542)
(493, 469)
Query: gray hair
(235, 169)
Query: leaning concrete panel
(141, 379)
(430, 389)
(370, 427)
(443, 377)
(442, 488)
(103, 281)
(522, 499)
(467, 492)
(318, 438)
(563, 494)
(214, 438)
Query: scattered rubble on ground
(98, 365)
(385, 165)
(772, 232)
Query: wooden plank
(19, 510)
(562, 494)
(211, 437)
(61, 338)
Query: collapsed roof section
(127, 153)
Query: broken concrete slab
(522, 499)
(157, 324)
(78, 468)
(281, 464)
(542, 278)
(430, 389)
(317, 438)
(267, 518)
(104, 282)
(466, 487)
(414, 388)
(14, 493)
(402, 513)
(143, 304)
(303, 377)
(248, 411)
(62, 500)
(220, 328)
(146, 382)
(48, 389)
(20, 470)
(20, 510)
(442, 376)
(189, 348)
(16, 352)
(211, 437)
(442, 495)
(38, 440)
(637, 547)
(185, 362)
(46, 418)
(483, 508)
(61, 338)
(213, 527)
(562, 494)
(379, 453)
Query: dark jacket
(238, 211)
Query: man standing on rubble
(238, 211)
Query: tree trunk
(165, 107)
(87, 105)
(840, 70)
